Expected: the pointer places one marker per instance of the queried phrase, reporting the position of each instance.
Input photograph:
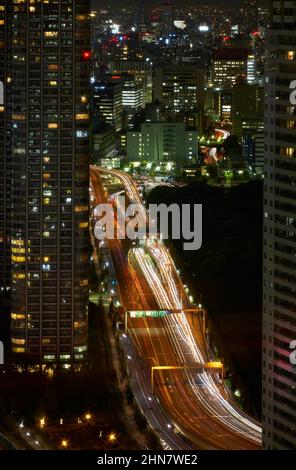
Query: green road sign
(148, 313)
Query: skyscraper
(227, 65)
(5, 150)
(50, 180)
(251, 15)
(279, 304)
(179, 87)
(167, 16)
(140, 15)
(107, 101)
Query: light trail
(158, 269)
(190, 347)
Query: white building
(132, 96)
(162, 142)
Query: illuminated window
(83, 225)
(18, 350)
(81, 117)
(18, 259)
(291, 55)
(17, 276)
(51, 34)
(18, 341)
(287, 152)
(18, 316)
(79, 324)
(53, 67)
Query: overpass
(204, 413)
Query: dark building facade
(279, 302)
(50, 181)
(5, 143)
(107, 101)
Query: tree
(233, 148)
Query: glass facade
(50, 180)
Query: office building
(132, 96)
(50, 182)
(167, 17)
(279, 299)
(107, 101)
(247, 103)
(140, 70)
(179, 88)
(227, 64)
(131, 46)
(140, 19)
(250, 9)
(103, 145)
(253, 151)
(251, 70)
(161, 142)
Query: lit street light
(112, 437)
(42, 422)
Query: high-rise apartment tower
(50, 180)
(279, 304)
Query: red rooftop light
(86, 55)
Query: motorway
(196, 401)
(5, 444)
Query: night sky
(225, 3)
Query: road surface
(197, 403)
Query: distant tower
(50, 181)
(167, 12)
(140, 16)
(251, 9)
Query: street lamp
(42, 422)
(64, 443)
(112, 437)
(88, 416)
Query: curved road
(197, 403)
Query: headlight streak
(178, 325)
(161, 276)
